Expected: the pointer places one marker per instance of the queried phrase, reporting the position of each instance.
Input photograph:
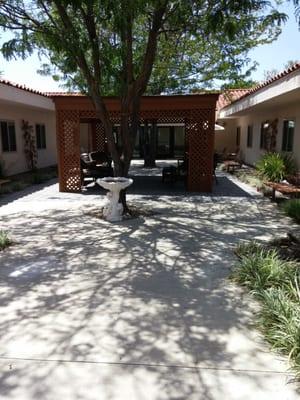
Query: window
(238, 136)
(249, 135)
(40, 133)
(264, 128)
(288, 135)
(8, 136)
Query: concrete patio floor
(137, 310)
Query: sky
(275, 55)
(270, 56)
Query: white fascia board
(22, 97)
(282, 86)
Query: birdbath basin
(113, 210)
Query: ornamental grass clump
(275, 167)
(292, 209)
(275, 283)
(5, 240)
(279, 321)
(38, 178)
(290, 164)
(260, 269)
(271, 167)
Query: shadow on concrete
(153, 186)
(134, 310)
(10, 197)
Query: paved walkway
(137, 310)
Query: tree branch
(150, 53)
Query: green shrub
(16, 186)
(38, 178)
(1, 169)
(251, 179)
(6, 189)
(52, 174)
(260, 269)
(292, 209)
(271, 167)
(280, 322)
(41, 177)
(5, 241)
(247, 248)
(275, 167)
(49, 176)
(275, 283)
(289, 163)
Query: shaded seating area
(174, 173)
(169, 174)
(232, 161)
(195, 113)
(94, 165)
(231, 165)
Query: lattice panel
(164, 116)
(91, 114)
(68, 142)
(87, 114)
(99, 136)
(199, 130)
(200, 138)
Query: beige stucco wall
(225, 141)
(15, 162)
(255, 118)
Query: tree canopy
(195, 41)
(131, 47)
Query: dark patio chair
(100, 158)
(173, 174)
(169, 174)
(90, 169)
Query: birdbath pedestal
(113, 210)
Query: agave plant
(290, 164)
(275, 167)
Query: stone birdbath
(113, 210)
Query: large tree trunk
(129, 125)
(150, 140)
(121, 167)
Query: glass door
(164, 142)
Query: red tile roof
(208, 92)
(58, 94)
(275, 78)
(229, 96)
(22, 87)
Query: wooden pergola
(196, 112)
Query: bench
(284, 188)
(4, 181)
(169, 174)
(231, 165)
